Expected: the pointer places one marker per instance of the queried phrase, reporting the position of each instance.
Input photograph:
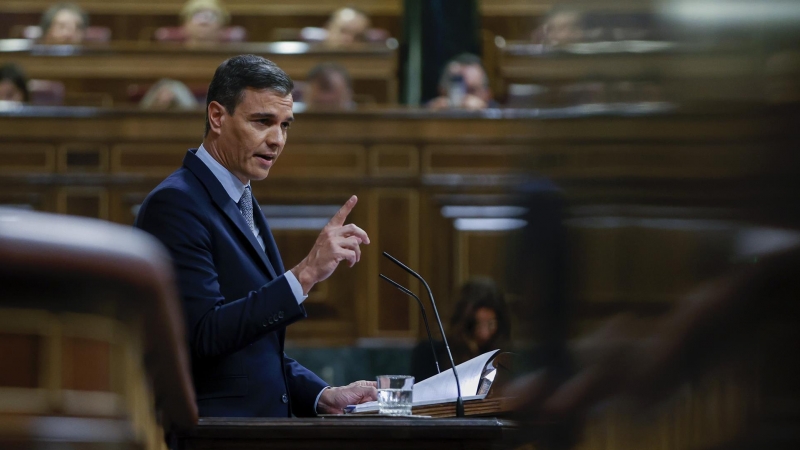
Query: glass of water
(394, 394)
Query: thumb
(338, 219)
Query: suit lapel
(228, 207)
(270, 246)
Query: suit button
(271, 321)
(264, 324)
(280, 315)
(285, 398)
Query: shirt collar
(229, 182)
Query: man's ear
(216, 116)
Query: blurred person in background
(64, 24)
(346, 26)
(203, 21)
(13, 84)
(480, 323)
(562, 27)
(168, 94)
(328, 87)
(464, 84)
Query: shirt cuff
(297, 290)
(316, 402)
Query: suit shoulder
(181, 191)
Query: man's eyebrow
(268, 116)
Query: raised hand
(336, 243)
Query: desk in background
(114, 68)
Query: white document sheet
(441, 388)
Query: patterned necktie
(246, 207)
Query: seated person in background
(13, 84)
(347, 25)
(479, 324)
(64, 24)
(203, 21)
(562, 27)
(464, 85)
(328, 87)
(168, 94)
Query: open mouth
(269, 158)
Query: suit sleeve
(304, 387)
(216, 326)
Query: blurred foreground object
(686, 303)
(92, 343)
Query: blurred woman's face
(485, 326)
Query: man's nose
(274, 137)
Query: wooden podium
(350, 432)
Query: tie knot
(245, 194)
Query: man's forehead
(261, 98)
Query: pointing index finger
(338, 219)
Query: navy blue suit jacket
(236, 298)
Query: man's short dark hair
(16, 76)
(241, 72)
(50, 14)
(323, 74)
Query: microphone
(459, 398)
(424, 316)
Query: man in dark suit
(237, 297)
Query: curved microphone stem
(459, 399)
(424, 316)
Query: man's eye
(286, 125)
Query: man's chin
(259, 175)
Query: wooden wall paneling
(393, 160)
(473, 159)
(125, 201)
(595, 261)
(21, 157)
(90, 384)
(395, 216)
(301, 160)
(26, 387)
(483, 254)
(148, 158)
(16, 196)
(83, 201)
(668, 160)
(436, 253)
(83, 157)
